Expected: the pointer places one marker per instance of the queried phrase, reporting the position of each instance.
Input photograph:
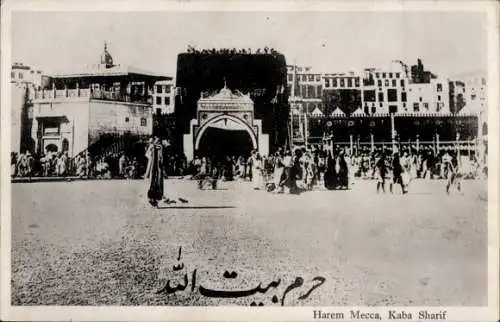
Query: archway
(51, 148)
(225, 135)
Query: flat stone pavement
(100, 243)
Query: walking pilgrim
(257, 167)
(279, 169)
(381, 172)
(155, 175)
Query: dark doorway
(221, 143)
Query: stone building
(76, 110)
(24, 80)
(164, 96)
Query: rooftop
(102, 71)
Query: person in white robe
(257, 168)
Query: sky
(448, 43)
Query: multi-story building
(473, 87)
(384, 91)
(432, 97)
(396, 102)
(21, 73)
(79, 109)
(164, 96)
(23, 81)
(305, 86)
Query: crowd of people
(53, 164)
(232, 51)
(307, 169)
(291, 171)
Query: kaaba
(261, 75)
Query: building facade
(21, 73)
(77, 110)
(24, 80)
(164, 96)
(306, 86)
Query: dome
(106, 58)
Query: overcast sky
(447, 42)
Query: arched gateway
(225, 123)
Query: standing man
(155, 192)
(397, 170)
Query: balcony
(85, 93)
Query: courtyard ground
(100, 243)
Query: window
(386, 83)
(403, 96)
(426, 106)
(12, 75)
(342, 82)
(158, 100)
(20, 75)
(168, 89)
(311, 78)
(473, 97)
(402, 83)
(439, 87)
(393, 109)
(127, 119)
(381, 104)
(416, 107)
(383, 75)
(144, 121)
(397, 75)
(167, 100)
(379, 83)
(390, 75)
(380, 97)
(327, 82)
(159, 89)
(394, 83)
(349, 82)
(318, 78)
(158, 111)
(304, 78)
(439, 97)
(392, 95)
(420, 99)
(369, 96)
(377, 75)
(356, 82)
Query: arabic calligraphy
(298, 283)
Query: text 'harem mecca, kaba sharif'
(228, 108)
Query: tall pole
(294, 76)
(351, 143)
(372, 143)
(393, 133)
(306, 129)
(437, 143)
